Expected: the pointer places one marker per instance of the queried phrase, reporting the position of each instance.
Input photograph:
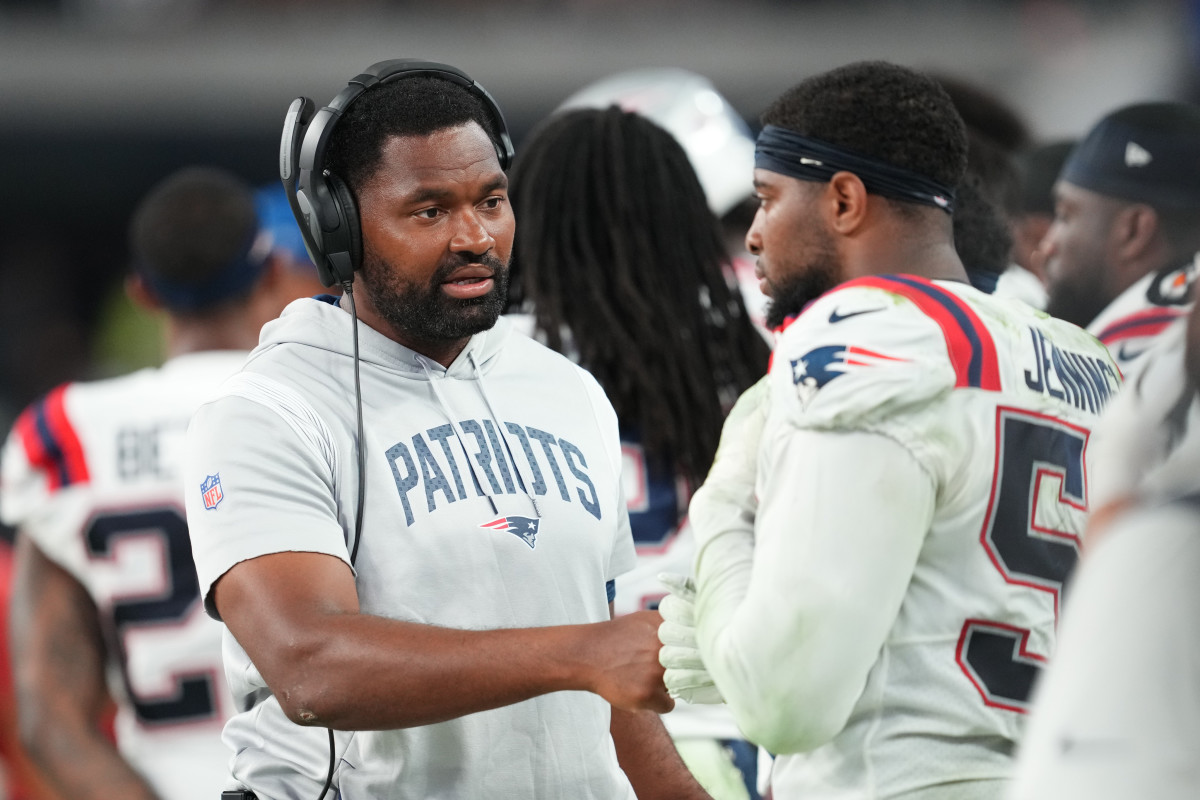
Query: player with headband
(872, 591)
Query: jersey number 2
(1019, 537)
(193, 697)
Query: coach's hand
(685, 676)
(623, 654)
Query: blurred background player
(1115, 715)
(20, 779)
(717, 141)
(297, 275)
(1119, 255)
(622, 267)
(1037, 168)
(106, 600)
(988, 199)
(871, 593)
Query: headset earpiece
(322, 203)
(349, 239)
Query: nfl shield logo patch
(211, 491)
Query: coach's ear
(141, 294)
(845, 202)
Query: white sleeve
(790, 638)
(274, 471)
(1137, 430)
(1114, 716)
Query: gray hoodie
(493, 500)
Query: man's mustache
(449, 264)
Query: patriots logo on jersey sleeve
(524, 527)
(210, 490)
(819, 366)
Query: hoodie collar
(317, 323)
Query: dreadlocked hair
(624, 267)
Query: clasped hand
(685, 676)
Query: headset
(325, 210)
(322, 203)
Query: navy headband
(234, 279)
(789, 153)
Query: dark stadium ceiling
(229, 67)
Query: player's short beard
(425, 313)
(789, 295)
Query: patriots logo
(524, 527)
(816, 368)
(210, 490)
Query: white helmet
(715, 137)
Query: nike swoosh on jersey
(835, 317)
(1124, 355)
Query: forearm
(297, 616)
(360, 672)
(785, 630)
(649, 758)
(77, 758)
(59, 665)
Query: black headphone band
(306, 133)
(312, 153)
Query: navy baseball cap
(1145, 153)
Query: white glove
(686, 678)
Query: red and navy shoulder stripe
(50, 441)
(1148, 322)
(968, 341)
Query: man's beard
(790, 295)
(1078, 301)
(425, 313)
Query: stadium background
(100, 98)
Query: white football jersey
(1020, 283)
(995, 402)
(93, 474)
(1141, 445)
(1129, 325)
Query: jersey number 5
(1024, 534)
(192, 698)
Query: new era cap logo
(1136, 155)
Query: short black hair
(985, 114)
(417, 105)
(192, 225)
(981, 234)
(874, 108)
(995, 134)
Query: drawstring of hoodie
(458, 432)
(524, 476)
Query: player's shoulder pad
(877, 347)
(44, 439)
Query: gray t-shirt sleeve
(259, 479)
